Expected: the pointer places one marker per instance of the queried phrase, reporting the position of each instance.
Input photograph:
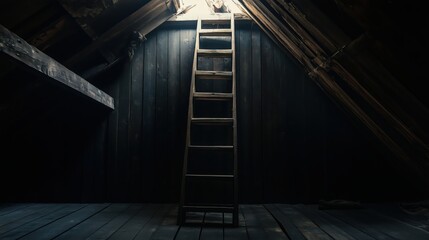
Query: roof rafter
(323, 59)
(144, 20)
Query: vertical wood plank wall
(295, 144)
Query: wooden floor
(151, 221)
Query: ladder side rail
(234, 112)
(182, 214)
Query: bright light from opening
(201, 8)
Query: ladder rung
(214, 21)
(208, 209)
(211, 147)
(212, 96)
(213, 74)
(215, 32)
(209, 176)
(212, 120)
(215, 52)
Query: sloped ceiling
(369, 57)
(65, 28)
(79, 34)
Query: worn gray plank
(43, 65)
(88, 227)
(168, 228)
(392, 227)
(112, 226)
(324, 224)
(260, 224)
(132, 227)
(236, 233)
(44, 210)
(32, 226)
(304, 224)
(363, 223)
(352, 231)
(192, 230)
(61, 225)
(8, 208)
(212, 232)
(418, 219)
(286, 222)
(154, 223)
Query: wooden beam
(147, 18)
(278, 32)
(300, 36)
(41, 64)
(84, 22)
(177, 5)
(317, 23)
(97, 70)
(84, 15)
(55, 32)
(296, 27)
(394, 117)
(368, 77)
(333, 89)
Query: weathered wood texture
(144, 20)
(157, 221)
(351, 76)
(41, 64)
(294, 144)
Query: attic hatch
(202, 8)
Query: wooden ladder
(230, 179)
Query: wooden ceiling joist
(37, 62)
(144, 20)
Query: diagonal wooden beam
(150, 16)
(84, 22)
(41, 64)
(296, 37)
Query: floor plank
(149, 229)
(393, 227)
(286, 223)
(112, 226)
(260, 224)
(132, 227)
(253, 228)
(89, 226)
(20, 213)
(168, 228)
(419, 220)
(364, 224)
(191, 230)
(47, 209)
(352, 231)
(210, 232)
(324, 224)
(32, 226)
(150, 221)
(240, 233)
(8, 208)
(307, 227)
(61, 225)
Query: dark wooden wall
(295, 144)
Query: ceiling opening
(203, 8)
